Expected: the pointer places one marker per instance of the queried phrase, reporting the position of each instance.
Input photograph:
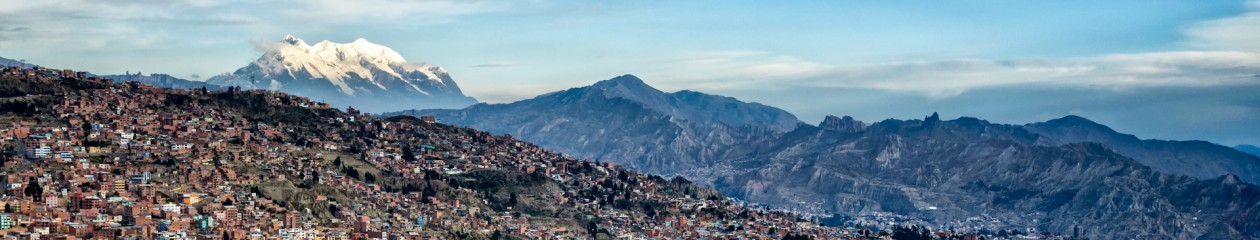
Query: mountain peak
(1230, 179)
(1073, 118)
(1074, 121)
(931, 121)
(623, 80)
(843, 124)
(346, 72)
(693, 106)
(630, 87)
(291, 40)
(337, 61)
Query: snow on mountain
(360, 74)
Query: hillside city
(85, 157)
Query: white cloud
(941, 79)
(1234, 33)
(338, 11)
(495, 93)
(1230, 56)
(727, 69)
(82, 24)
(950, 78)
(91, 24)
(61, 10)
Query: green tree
(34, 190)
(591, 228)
(791, 236)
(913, 232)
(429, 191)
(496, 235)
(350, 172)
(408, 155)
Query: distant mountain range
(162, 80)
(945, 171)
(1252, 149)
(358, 74)
(10, 62)
(159, 80)
(156, 79)
(1198, 159)
(1054, 175)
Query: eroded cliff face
(842, 124)
(950, 170)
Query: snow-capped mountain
(358, 74)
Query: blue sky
(1194, 63)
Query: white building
(40, 152)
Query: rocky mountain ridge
(1199, 159)
(948, 171)
(161, 80)
(627, 122)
